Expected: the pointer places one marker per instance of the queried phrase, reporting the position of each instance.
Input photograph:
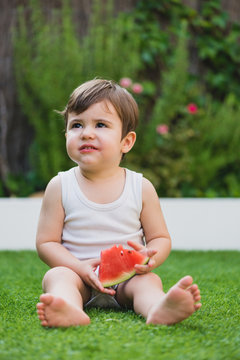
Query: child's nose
(88, 132)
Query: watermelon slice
(117, 265)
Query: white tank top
(90, 227)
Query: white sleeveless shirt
(90, 227)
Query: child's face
(94, 137)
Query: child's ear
(128, 141)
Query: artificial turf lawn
(211, 333)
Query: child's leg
(145, 294)
(62, 302)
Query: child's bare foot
(56, 312)
(178, 304)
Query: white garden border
(194, 224)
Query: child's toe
(40, 312)
(197, 306)
(44, 323)
(41, 317)
(40, 306)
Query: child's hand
(88, 275)
(143, 269)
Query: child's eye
(76, 125)
(101, 125)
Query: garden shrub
(185, 149)
(213, 40)
(189, 159)
(50, 61)
(215, 161)
(161, 152)
(189, 133)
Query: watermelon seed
(129, 251)
(121, 253)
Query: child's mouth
(87, 148)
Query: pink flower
(192, 108)
(137, 88)
(125, 82)
(162, 129)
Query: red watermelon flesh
(117, 265)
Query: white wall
(204, 224)
(18, 222)
(198, 224)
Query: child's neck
(102, 188)
(100, 176)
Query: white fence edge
(194, 224)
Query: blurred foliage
(198, 155)
(213, 39)
(50, 62)
(214, 149)
(164, 158)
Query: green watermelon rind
(124, 277)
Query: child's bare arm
(154, 226)
(49, 233)
(50, 227)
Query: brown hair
(94, 91)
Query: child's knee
(152, 278)
(59, 273)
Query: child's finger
(97, 285)
(142, 249)
(95, 262)
(145, 268)
(151, 263)
(109, 291)
(104, 290)
(142, 269)
(135, 246)
(151, 252)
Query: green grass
(211, 333)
